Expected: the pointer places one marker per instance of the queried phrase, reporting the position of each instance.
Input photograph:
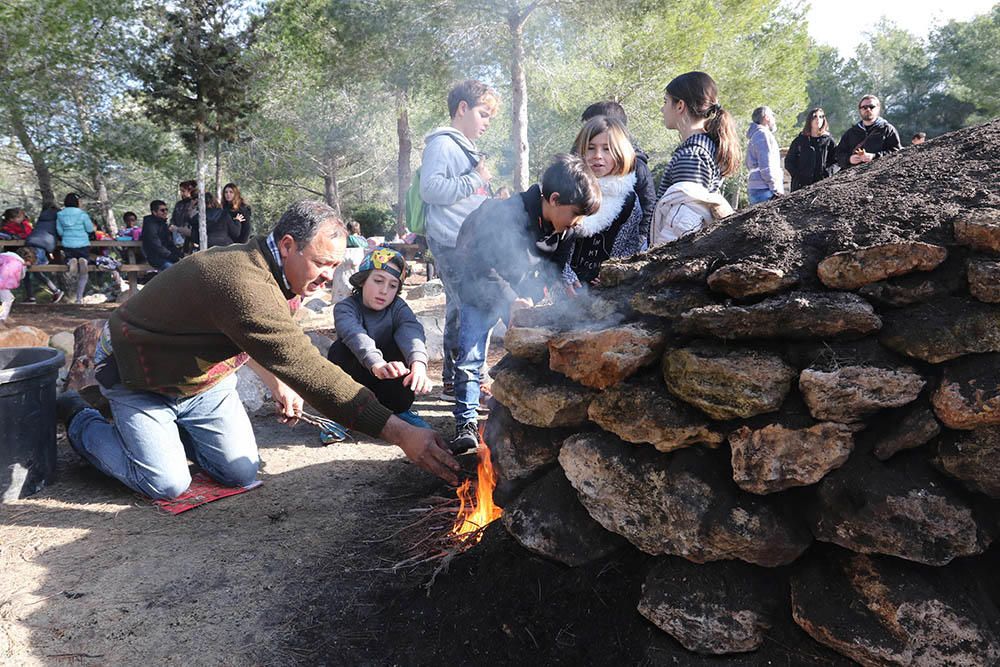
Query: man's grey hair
(304, 218)
(760, 113)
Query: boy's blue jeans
(473, 338)
(144, 448)
(758, 196)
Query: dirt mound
(915, 195)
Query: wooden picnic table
(131, 268)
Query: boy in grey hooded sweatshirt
(453, 183)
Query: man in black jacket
(873, 137)
(157, 239)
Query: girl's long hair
(824, 127)
(237, 196)
(701, 96)
(618, 142)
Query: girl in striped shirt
(709, 151)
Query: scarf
(614, 192)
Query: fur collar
(614, 192)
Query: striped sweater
(693, 161)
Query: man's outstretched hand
(423, 446)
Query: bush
(374, 220)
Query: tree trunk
(519, 126)
(200, 167)
(403, 175)
(218, 171)
(107, 212)
(330, 192)
(41, 167)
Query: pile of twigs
(429, 533)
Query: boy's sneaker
(57, 297)
(448, 392)
(466, 438)
(31, 299)
(411, 417)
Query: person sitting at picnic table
(74, 227)
(355, 240)
(168, 356)
(42, 240)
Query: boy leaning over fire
(509, 250)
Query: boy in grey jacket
(380, 342)
(453, 183)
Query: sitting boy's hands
(390, 370)
(417, 380)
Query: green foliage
(375, 220)
(969, 56)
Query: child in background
(16, 224)
(13, 267)
(379, 342)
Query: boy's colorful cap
(381, 258)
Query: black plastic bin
(27, 419)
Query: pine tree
(197, 79)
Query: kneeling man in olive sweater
(168, 357)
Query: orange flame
(476, 512)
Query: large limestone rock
(724, 382)
(643, 412)
(548, 519)
(850, 393)
(529, 343)
(340, 285)
(81, 370)
(715, 608)
(424, 290)
(743, 280)
(969, 394)
(984, 280)
(914, 428)
(23, 336)
(852, 269)
(979, 233)
(519, 452)
(904, 509)
(799, 315)
(882, 611)
(605, 357)
(973, 457)
(63, 341)
(670, 302)
(778, 457)
(682, 504)
(542, 399)
(945, 329)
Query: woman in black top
(222, 229)
(812, 155)
(238, 209)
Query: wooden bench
(132, 269)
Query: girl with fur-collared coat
(615, 229)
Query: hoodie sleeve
(771, 169)
(408, 333)
(436, 185)
(645, 190)
(845, 149)
(792, 157)
(350, 326)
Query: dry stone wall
(797, 409)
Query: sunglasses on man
(868, 106)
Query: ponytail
(721, 127)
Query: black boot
(68, 406)
(466, 438)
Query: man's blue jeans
(473, 338)
(757, 196)
(446, 261)
(148, 445)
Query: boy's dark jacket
(505, 251)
